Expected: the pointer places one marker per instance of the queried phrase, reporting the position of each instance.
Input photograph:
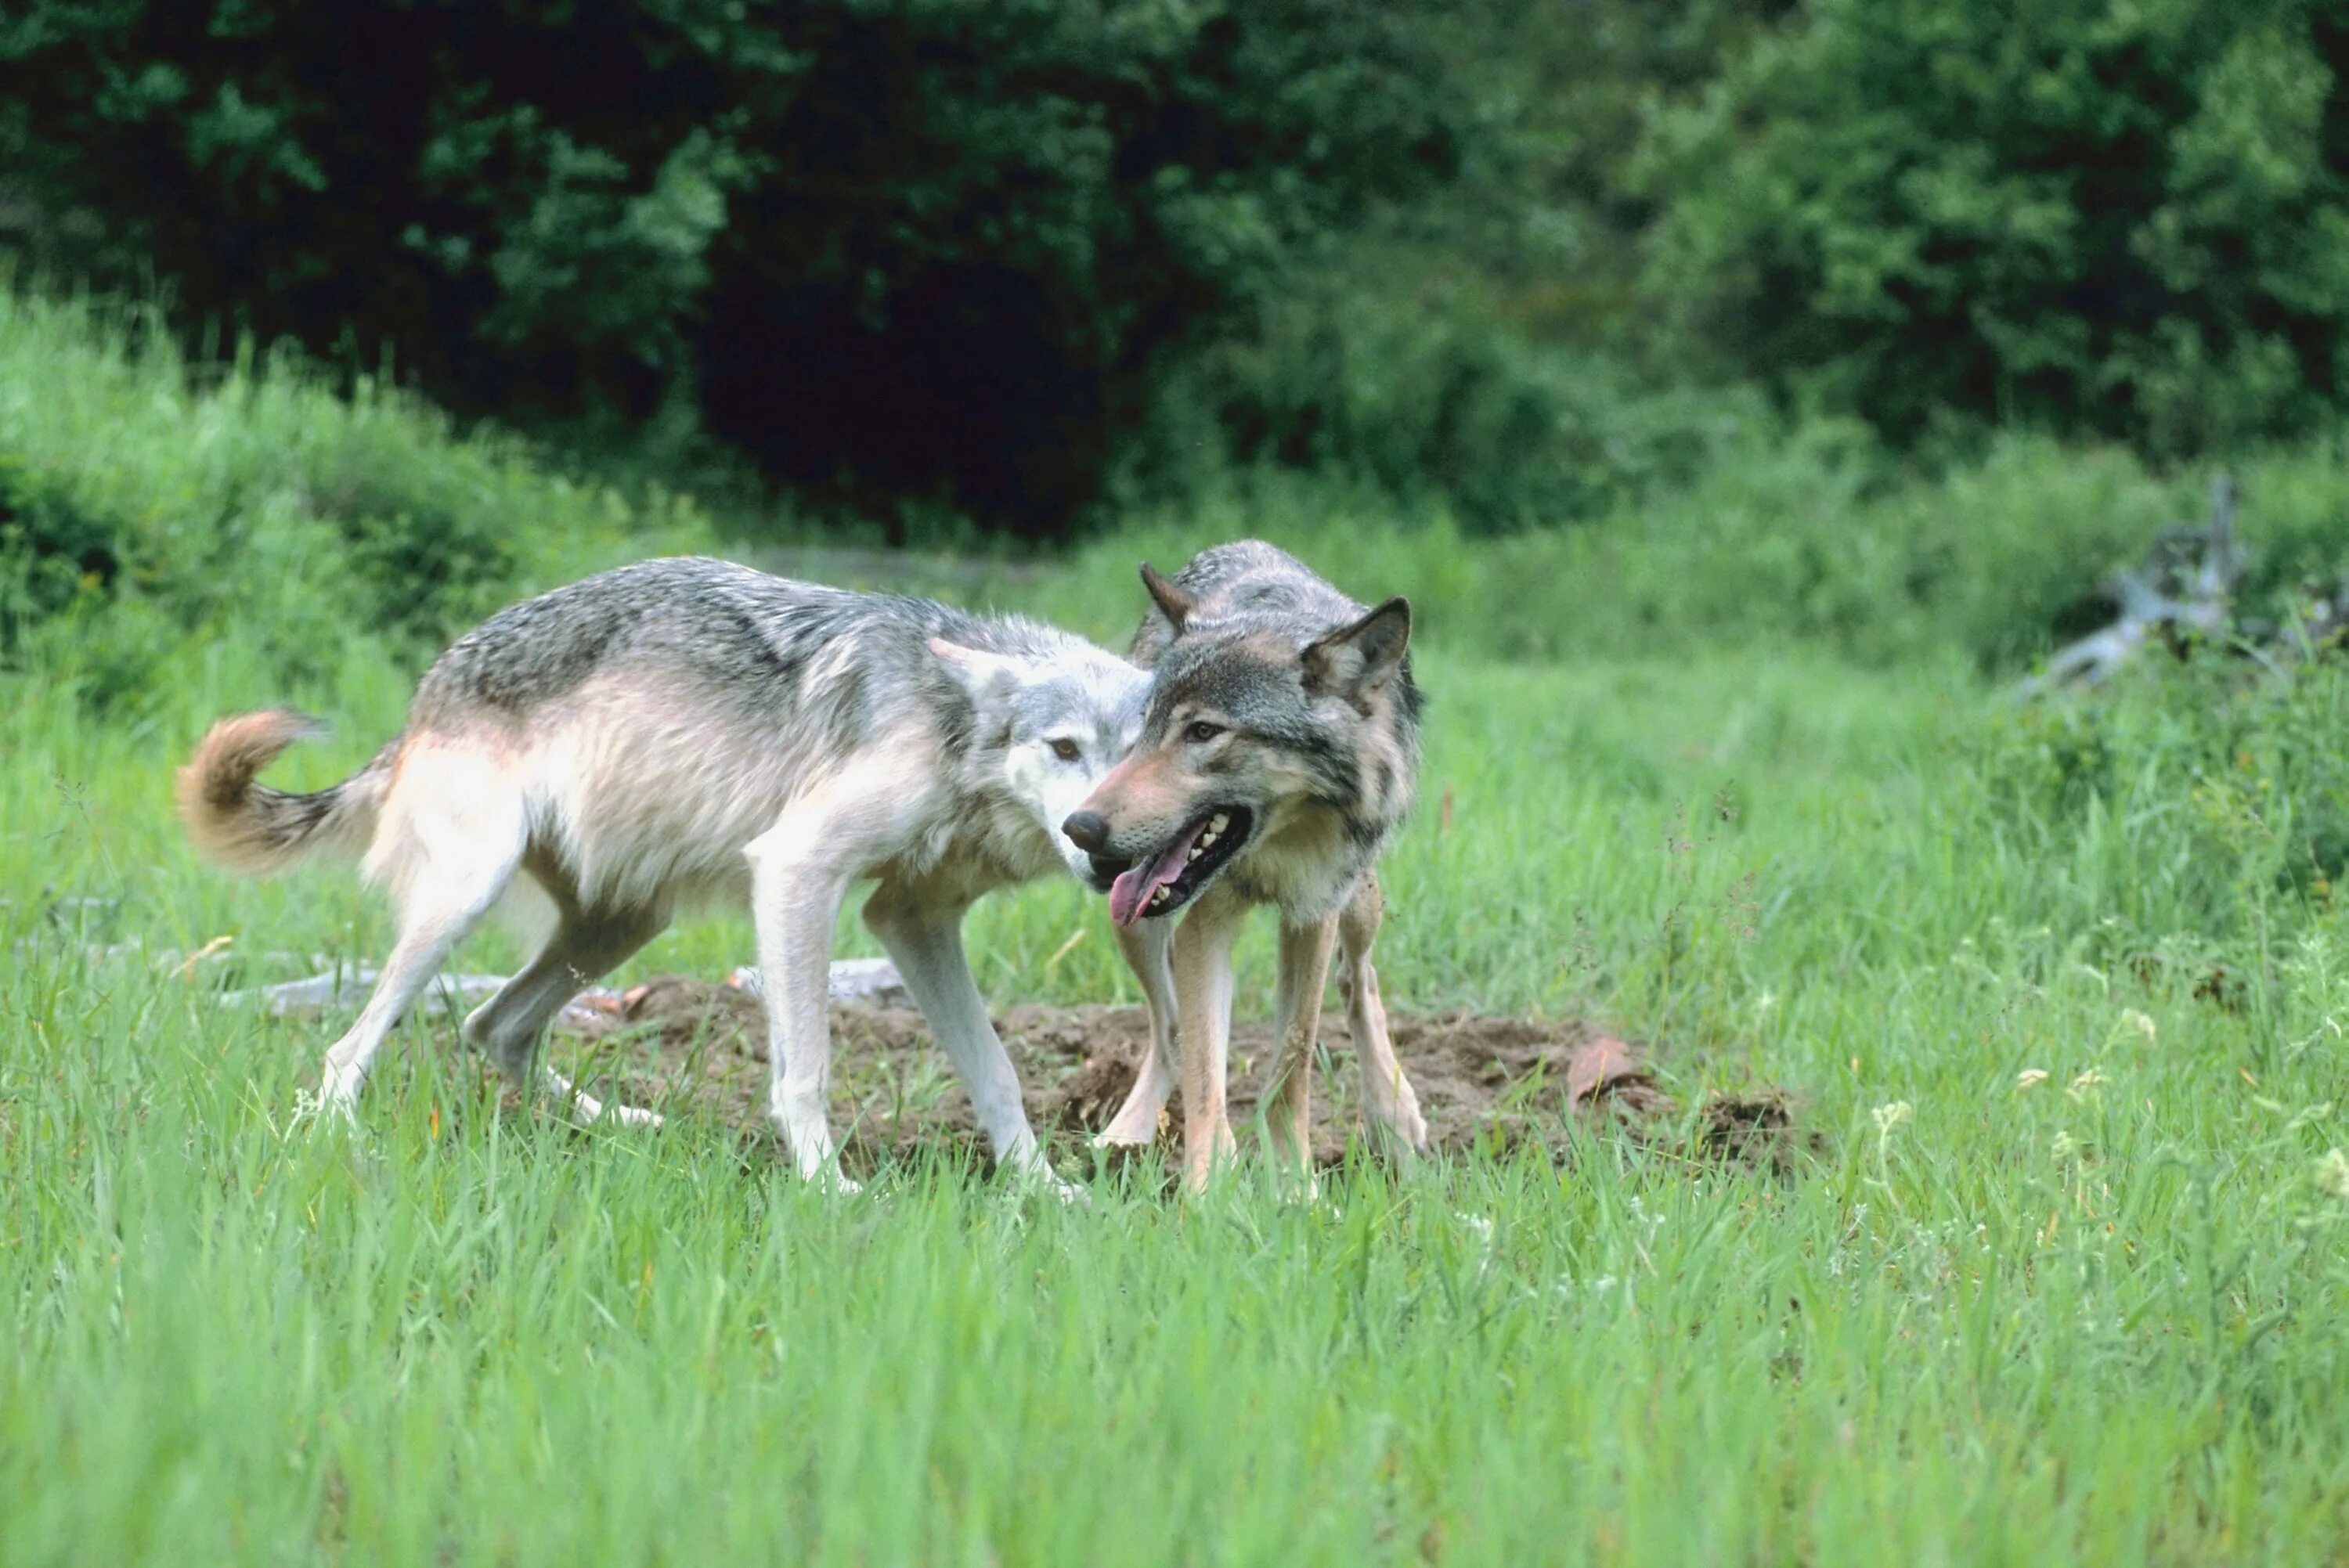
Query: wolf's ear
(1173, 602)
(987, 677)
(1355, 661)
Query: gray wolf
(1279, 756)
(685, 729)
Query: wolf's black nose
(1089, 830)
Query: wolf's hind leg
(924, 938)
(1146, 945)
(455, 868)
(1389, 1102)
(507, 1026)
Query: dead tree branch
(2185, 584)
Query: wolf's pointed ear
(986, 676)
(1355, 661)
(1173, 602)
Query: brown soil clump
(1484, 1084)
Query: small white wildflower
(2085, 1085)
(2332, 1173)
(2142, 1022)
(2029, 1078)
(1889, 1116)
(2066, 1148)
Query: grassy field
(2091, 1319)
(2060, 992)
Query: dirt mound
(1486, 1084)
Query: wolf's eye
(1066, 750)
(1202, 732)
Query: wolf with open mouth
(1279, 754)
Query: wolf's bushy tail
(252, 828)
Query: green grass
(1768, 816)
(2094, 1320)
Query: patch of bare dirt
(1486, 1084)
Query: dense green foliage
(924, 250)
(1492, 347)
(1011, 259)
(2127, 219)
(148, 507)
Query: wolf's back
(252, 828)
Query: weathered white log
(872, 980)
(2199, 600)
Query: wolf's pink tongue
(1126, 894)
(1135, 885)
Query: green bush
(2242, 771)
(147, 505)
(1404, 376)
(924, 250)
(2121, 221)
(1813, 535)
(51, 552)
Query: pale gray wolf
(685, 729)
(1279, 756)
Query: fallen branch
(2185, 584)
(872, 980)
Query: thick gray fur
(688, 729)
(1250, 601)
(1315, 721)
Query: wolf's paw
(1130, 1128)
(336, 1103)
(1051, 1185)
(1401, 1131)
(832, 1180)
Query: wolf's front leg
(1288, 1099)
(1388, 1101)
(1146, 945)
(923, 933)
(795, 893)
(1203, 1028)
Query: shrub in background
(898, 250)
(1402, 372)
(147, 506)
(1813, 535)
(2121, 221)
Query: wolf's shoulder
(1220, 566)
(1248, 583)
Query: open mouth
(1165, 881)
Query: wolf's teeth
(1206, 840)
(1196, 850)
(1222, 820)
